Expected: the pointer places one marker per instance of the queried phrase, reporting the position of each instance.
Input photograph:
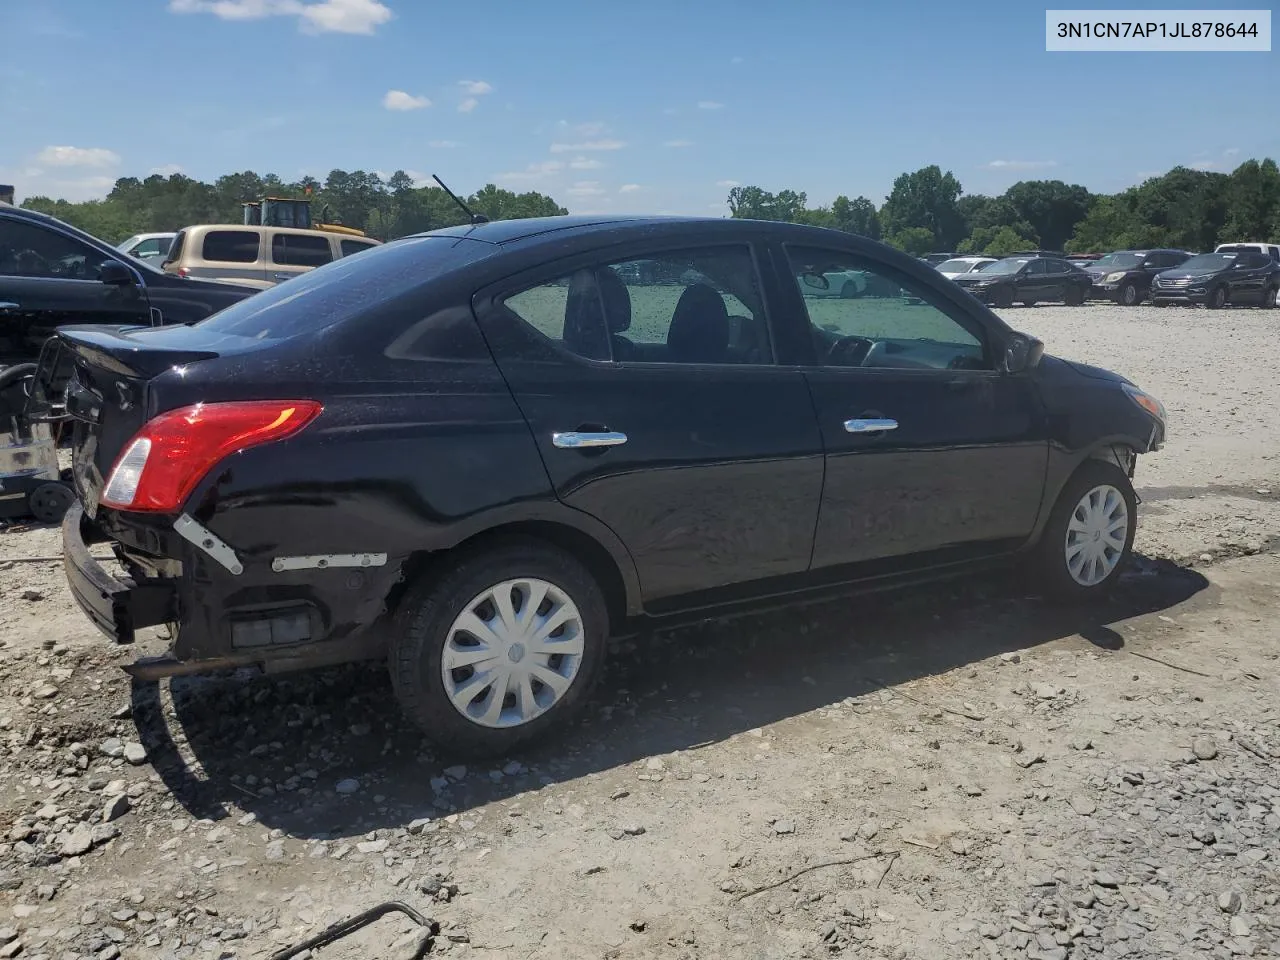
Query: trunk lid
(100, 377)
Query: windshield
(1118, 261)
(1208, 262)
(129, 243)
(1011, 265)
(958, 266)
(346, 288)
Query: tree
(914, 240)
(856, 216)
(925, 199)
(1252, 201)
(753, 203)
(1050, 207)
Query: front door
(49, 278)
(651, 385)
(932, 454)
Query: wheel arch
(598, 550)
(1121, 450)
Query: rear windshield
(345, 288)
(231, 246)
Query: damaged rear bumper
(118, 606)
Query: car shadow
(278, 747)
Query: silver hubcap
(1096, 535)
(512, 653)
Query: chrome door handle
(574, 440)
(282, 276)
(8, 305)
(870, 426)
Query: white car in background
(958, 266)
(146, 245)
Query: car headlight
(1113, 277)
(1146, 401)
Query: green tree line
(385, 209)
(928, 211)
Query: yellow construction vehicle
(289, 212)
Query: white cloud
(535, 171)
(322, 16)
(400, 100)
(77, 157)
(585, 163)
(1021, 164)
(587, 145)
(1203, 165)
(467, 105)
(728, 183)
(709, 105)
(585, 188)
(168, 170)
(678, 143)
(443, 144)
(629, 188)
(476, 88)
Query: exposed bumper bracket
(204, 539)
(321, 560)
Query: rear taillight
(161, 465)
(184, 271)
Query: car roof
(505, 231)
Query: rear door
(932, 454)
(652, 386)
(295, 253)
(1249, 277)
(49, 278)
(1035, 283)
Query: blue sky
(652, 106)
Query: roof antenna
(475, 218)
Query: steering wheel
(849, 351)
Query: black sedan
(1216, 280)
(1125, 276)
(1027, 280)
(51, 274)
(480, 451)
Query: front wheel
(1089, 536)
(500, 648)
(1270, 297)
(1003, 298)
(1217, 299)
(1129, 295)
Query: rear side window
(175, 249)
(355, 246)
(347, 289)
(300, 251)
(231, 246)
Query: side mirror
(1022, 353)
(116, 274)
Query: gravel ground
(962, 772)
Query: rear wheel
(1003, 298)
(1217, 298)
(1269, 298)
(1129, 294)
(1073, 296)
(499, 649)
(1089, 536)
(49, 502)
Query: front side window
(231, 246)
(355, 246)
(893, 323)
(696, 306)
(152, 247)
(1038, 268)
(295, 250)
(33, 250)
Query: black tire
(1270, 297)
(1028, 303)
(1129, 295)
(49, 502)
(1217, 298)
(849, 291)
(10, 376)
(421, 626)
(1003, 298)
(1052, 560)
(1073, 296)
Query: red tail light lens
(161, 465)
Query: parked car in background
(1125, 276)
(957, 266)
(1272, 250)
(256, 256)
(1232, 277)
(1028, 280)
(820, 442)
(145, 246)
(933, 259)
(51, 274)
